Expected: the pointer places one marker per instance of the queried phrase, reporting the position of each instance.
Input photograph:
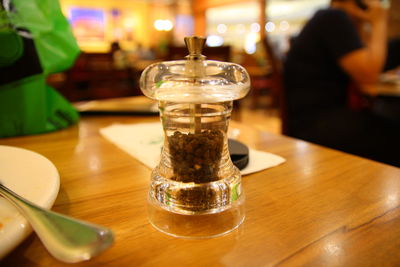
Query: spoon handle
(67, 239)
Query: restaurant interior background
(255, 34)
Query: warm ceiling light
(168, 25)
(255, 27)
(158, 24)
(221, 28)
(214, 40)
(269, 26)
(163, 25)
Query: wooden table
(322, 207)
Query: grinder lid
(195, 79)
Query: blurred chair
(271, 82)
(94, 76)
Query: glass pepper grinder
(195, 190)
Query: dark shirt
(313, 78)
(316, 93)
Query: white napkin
(145, 140)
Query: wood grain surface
(320, 208)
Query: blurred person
(143, 53)
(340, 45)
(120, 57)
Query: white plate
(32, 176)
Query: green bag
(35, 41)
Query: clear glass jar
(195, 190)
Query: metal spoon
(67, 239)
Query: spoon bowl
(66, 238)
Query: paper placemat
(144, 141)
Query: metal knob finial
(195, 45)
